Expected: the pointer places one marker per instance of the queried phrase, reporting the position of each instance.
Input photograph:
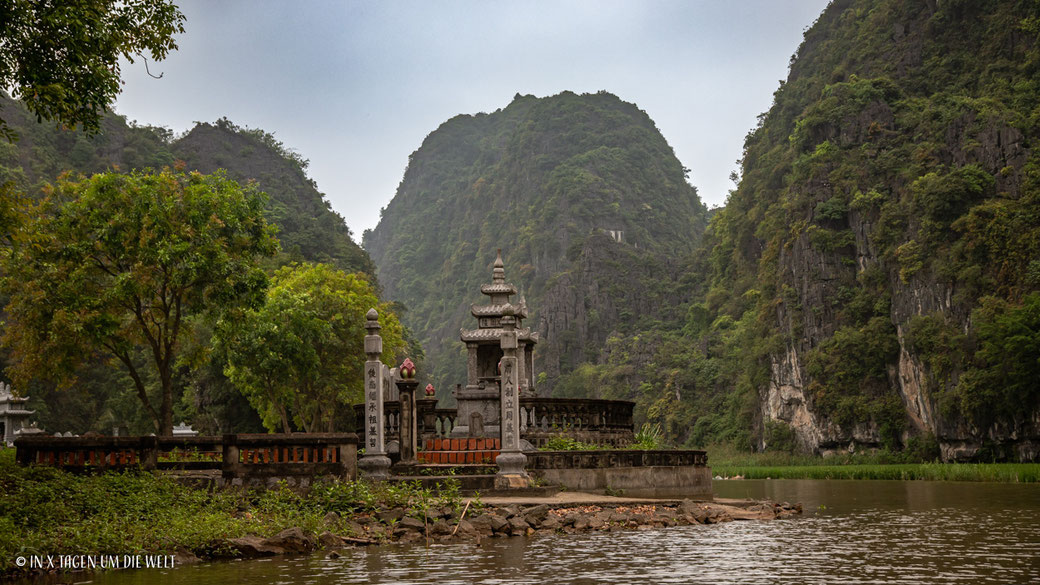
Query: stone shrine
(478, 401)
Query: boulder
(466, 529)
(329, 540)
(482, 523)
(440, 528)
(391, 515)
(498, 523)
(183, 556)
(551, 522)
(292, 540)
(251, 546)
(354, 529)
(536, 514)
(410, 523)
(518, 525)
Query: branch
(141, 392)
(145, 59)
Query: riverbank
(47, 511)
(727, 462)
(475, 523)
(992, 472)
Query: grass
(997, 472)
(45, 510)
(727, 461)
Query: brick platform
(460, 451)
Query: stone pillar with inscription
(511, 460)
(374, 465)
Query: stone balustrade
(604, 422)
(615, 458)
(240, 458)
(432, 422)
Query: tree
(300, 358)
(127, 265)
(61, 57)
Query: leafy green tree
(1006, 376)
(300, 357)
(125, 264)
(61, 57)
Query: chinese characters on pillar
(372, 407)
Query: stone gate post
(375, 464)
(511, 460)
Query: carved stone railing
(443, 423)
(101, 452)
(238, 457)
(604, 422)
(287, 455)
(613, 459)
(432, 422)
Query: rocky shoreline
(471, 524)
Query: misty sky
(355, 87)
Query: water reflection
(856, 532)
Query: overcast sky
(356, 86)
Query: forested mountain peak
(575, 189)
(881, 245)
(308, 228)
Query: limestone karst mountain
(883, 242)
(874, 281)
(587, 201)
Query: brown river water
(851, 532)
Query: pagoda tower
(478, 402)
(13, 414)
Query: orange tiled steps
(460, 451)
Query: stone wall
(632, 473)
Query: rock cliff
(887, 218)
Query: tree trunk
(166, 406)
(285, 419)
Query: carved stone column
(375, 464)
(409, 421)
(511, 460)
(521, 364)
(471, 364)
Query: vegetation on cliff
(873, 280)
(547, 180)
(103, 397)
(884, 233)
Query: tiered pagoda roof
(489, 316)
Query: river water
(851, 532)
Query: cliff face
(888, 221)
(583, 196)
